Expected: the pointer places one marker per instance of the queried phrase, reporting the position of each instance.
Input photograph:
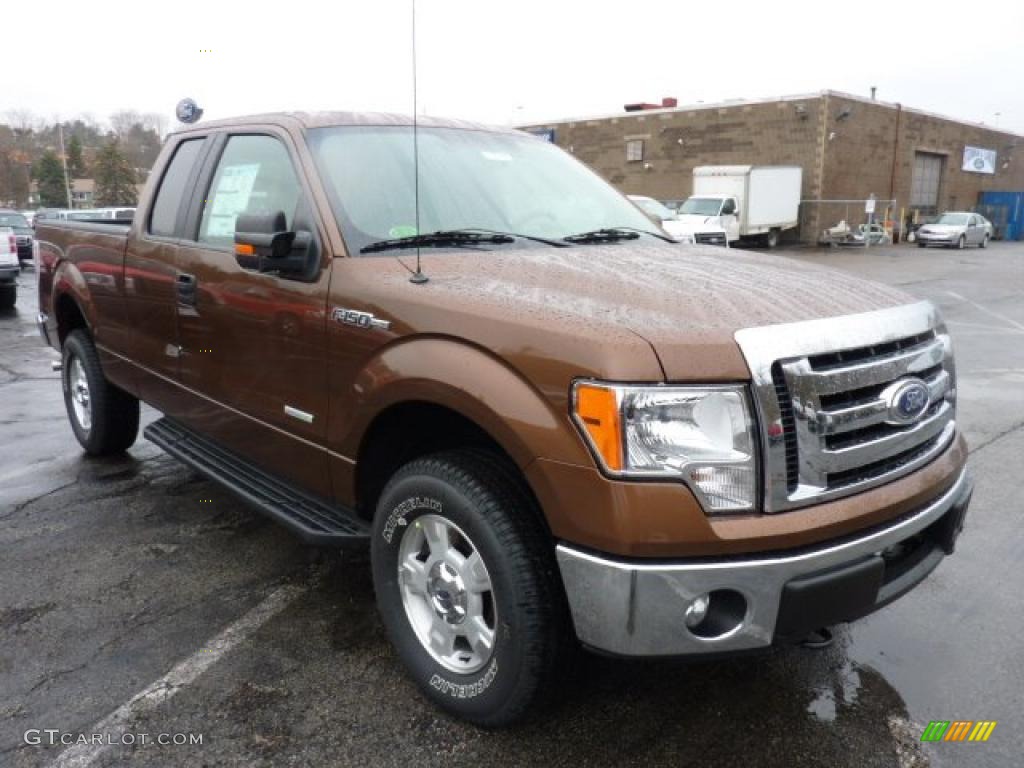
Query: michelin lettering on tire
(399, 513)
(470, 691)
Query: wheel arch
(439, 393)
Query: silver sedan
(955, 229)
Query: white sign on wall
(978, 160)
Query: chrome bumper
(637, 609)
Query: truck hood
(573, 304)
(693, 222)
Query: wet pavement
(118, 573)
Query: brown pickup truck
(551, 425)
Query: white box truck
(752, 203)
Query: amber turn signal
(597, 411)
(244, 249)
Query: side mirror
(262, 244)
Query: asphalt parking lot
(135, 576)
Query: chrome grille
(825, 392)
(710, 238)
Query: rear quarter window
(164, 219)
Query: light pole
(64, 161)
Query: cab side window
(254, 176)
(163, 222)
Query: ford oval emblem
(907, 400)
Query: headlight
(703, 436)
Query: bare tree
(156, 122)
(23, 120)
(123, 121)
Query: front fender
(468, 380)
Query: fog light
(697, 610)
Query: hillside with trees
(117, 154)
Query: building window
(634, 150)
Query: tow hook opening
(818, 638)
(715, 614)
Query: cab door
(730, 219)
(149, 335)
(253, 354)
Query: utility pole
(64, 161)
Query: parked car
(9, 268)
(86, 214)
(552, 432)
(23, 231)
(956, 229)
(878, 236)
(705, 235)
(674, 204)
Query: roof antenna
(417, 277)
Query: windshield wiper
(455, 237)
(613, 234)
(438, 239)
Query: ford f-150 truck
(552, 428)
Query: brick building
(849, 147)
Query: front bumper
(937, 238)
(637, 608)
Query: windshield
(702, 206)
(952, 218)
(13, 220)
(654, 208)
(503, 182)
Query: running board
(313, 520)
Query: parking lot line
(986, 310)
(183, 674)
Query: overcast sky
(509, 62)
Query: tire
(8, 296)
(489, 520)
(921, 245)
(984, 242)
(961, 243)
(104, 418)
(771, 239)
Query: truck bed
(87, 253)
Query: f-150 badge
(358, 319)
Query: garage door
(924, 187)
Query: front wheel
(961, 243)
(467, 586)
(104, 418)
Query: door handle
(187, 289)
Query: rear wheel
(771, 239)
(984, 242)
(467, 586)
(104, 418)
(8, 296)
